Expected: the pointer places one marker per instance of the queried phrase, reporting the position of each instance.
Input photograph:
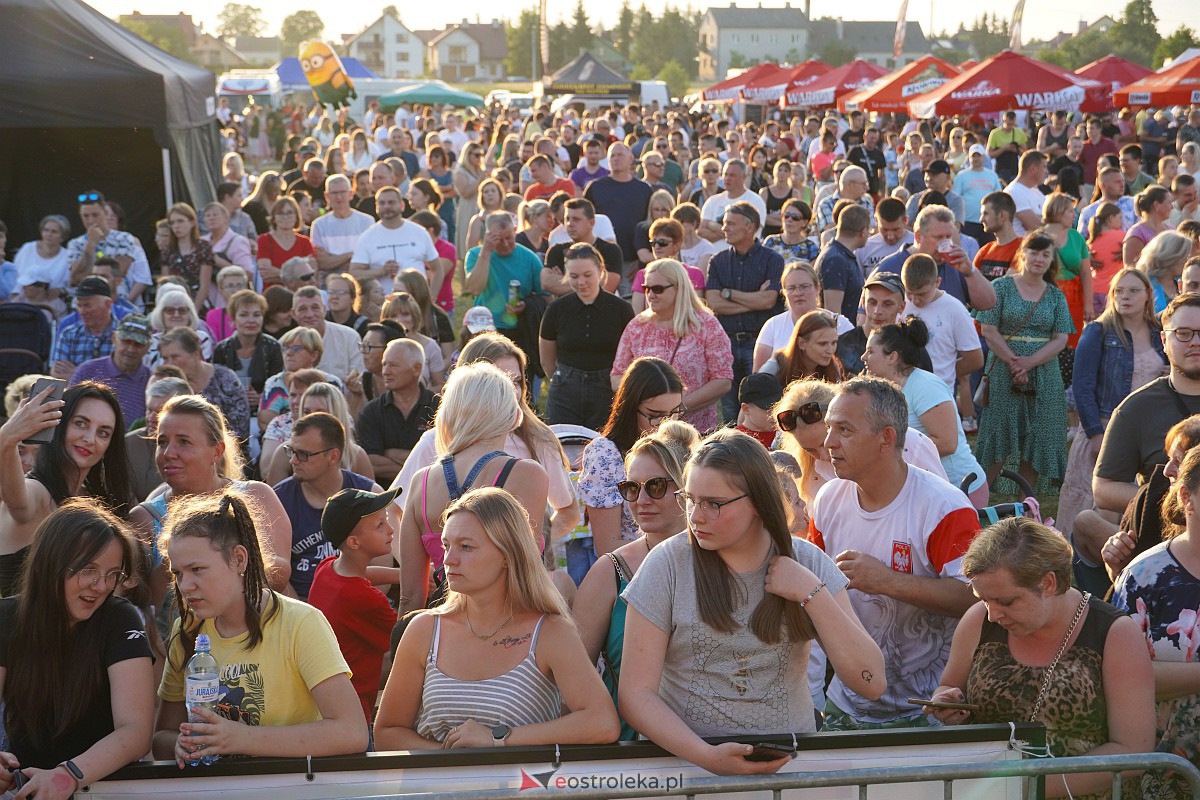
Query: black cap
(938, 167)
(93, 286)
(760, 389)
(347, 508)
(888, 280)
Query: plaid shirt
(77, 344)
(825, 209)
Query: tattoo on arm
(867, 676)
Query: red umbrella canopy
(728, 89)
(1177, 86)
(769, 87)
(892, 92)
(1010, 81)
(825, 90)
(1113, 71)
(966, 65)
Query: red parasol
(1011, 81)
(1177, 86)
(1113, 71)
(767, 87)
(728, 89)
(892, 92)
(966, 65)
(825, 91)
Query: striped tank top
(521, 696)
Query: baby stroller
(574, 552)
(25, 337)
(1021, 508)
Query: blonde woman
(468, 175)
(1162, 260)
(403, 308)
(681, 330)
(489, 198)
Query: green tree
(1135, 35)
(580, 37)
(239, 19)
(836, 52)
(560, 46)
(1079, 50)
(299, 27)
(623, 34)
(1170, 47)
(392, 11)
(522, 40)
(676, 78)
(737, 60)
(672, 37)
(166, 37)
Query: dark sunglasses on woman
(809, 414)
(657, 288)
(655, 487)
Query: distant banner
(901, 30)
(1014, 43)
(544, 36)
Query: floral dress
(601, 469)
(188, 266)
(1163, 598)
(1033, 425)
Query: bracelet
(812, 594)
(75, 772)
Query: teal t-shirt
(522, 264)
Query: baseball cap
(37, 273)
(479, 319)
(976, 148)
(888, 280)
(93, 286)
(938, 167)
(761, 389)
(135, 327)
(348, 507)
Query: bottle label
(203, 689)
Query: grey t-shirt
(723, 684)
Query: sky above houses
(1042, 19)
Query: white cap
(977, 148)
(479, 319)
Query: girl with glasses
(733, 607)
(791, 240)
(653, 473)
(75, 666)
(343, 290)
(302, 348)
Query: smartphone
(18, 781)
(917, 701)
(766, 751)
(41, 385)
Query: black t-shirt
(574, 153)
(587, 335)
(610, 254)
(853, 137)
(625, 203)
(1133, 441)
(366, 205)
(523, 240)
(1063, 164)
(316, 193)
(122, 637)
(381, 426)
(871, 160)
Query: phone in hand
(944, 704)
(767, 751)
(18, 781)
(41, 385)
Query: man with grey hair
(899, 535)
(852, 185)
(712, 215)
(390, 426)
(298, 271)
(957, 275)
(497, 267)
(343, 347)
(336, 232)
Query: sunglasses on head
(808, 413)
(655, 487)
(89, 197)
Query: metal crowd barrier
(865, 778)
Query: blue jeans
(741, 346)
(577, 397)
(580, 557)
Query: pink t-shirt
(1106, 249)
(445, 298)
(694, 274)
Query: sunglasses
(794, 217)
(662, 242)
(655, 487)
(310, 276)
(809, 414)
(89, 197)
(658, 288)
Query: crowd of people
(328, 407)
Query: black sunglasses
(662, 242)
(809, 414)
(657, 289)
(793, 217)
(655, 487)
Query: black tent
(586, 75)
(89, 105)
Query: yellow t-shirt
(271, 684)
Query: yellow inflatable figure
(325, 74)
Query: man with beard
(392, 245)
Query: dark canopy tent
(89, 105)
(586, 75)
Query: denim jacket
(1103, 375)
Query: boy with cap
(758, 394)
(355, 522)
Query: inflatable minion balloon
(325, 74)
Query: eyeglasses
(654, 418)
(295, 348)
(303, 455)
(90, 576)
(233, 286)
(662, 242)
(367, 349)
(89, 197)
(712, 172)
(1182, 334)
(709, 507)
(657, 289)
(808, 413)
(655, 487)
(175, 310)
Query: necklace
(485, 636)
(1037, 706)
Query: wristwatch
(499, 734)
(727, 294)
(75, 771)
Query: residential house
(207, 50)
(873, 41)
(745, 34)
(1034, 47)
(469, 51)
(388, 48)
(260, 51)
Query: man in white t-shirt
(899, 534)
(336, 232)
(953, 345)
(1026, 193)
(734, 175)
(453, 136)
(392, 244)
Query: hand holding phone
(37, 417)
(768, 751)
(943, 704)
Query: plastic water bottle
(203, 688)
(509, 317)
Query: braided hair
(227, 520)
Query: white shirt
(410, 246)
(714, 210)
(777, 331)
(1027, 198)
(603, 229)
(338, 235)
(342, 350)
(951, 331)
